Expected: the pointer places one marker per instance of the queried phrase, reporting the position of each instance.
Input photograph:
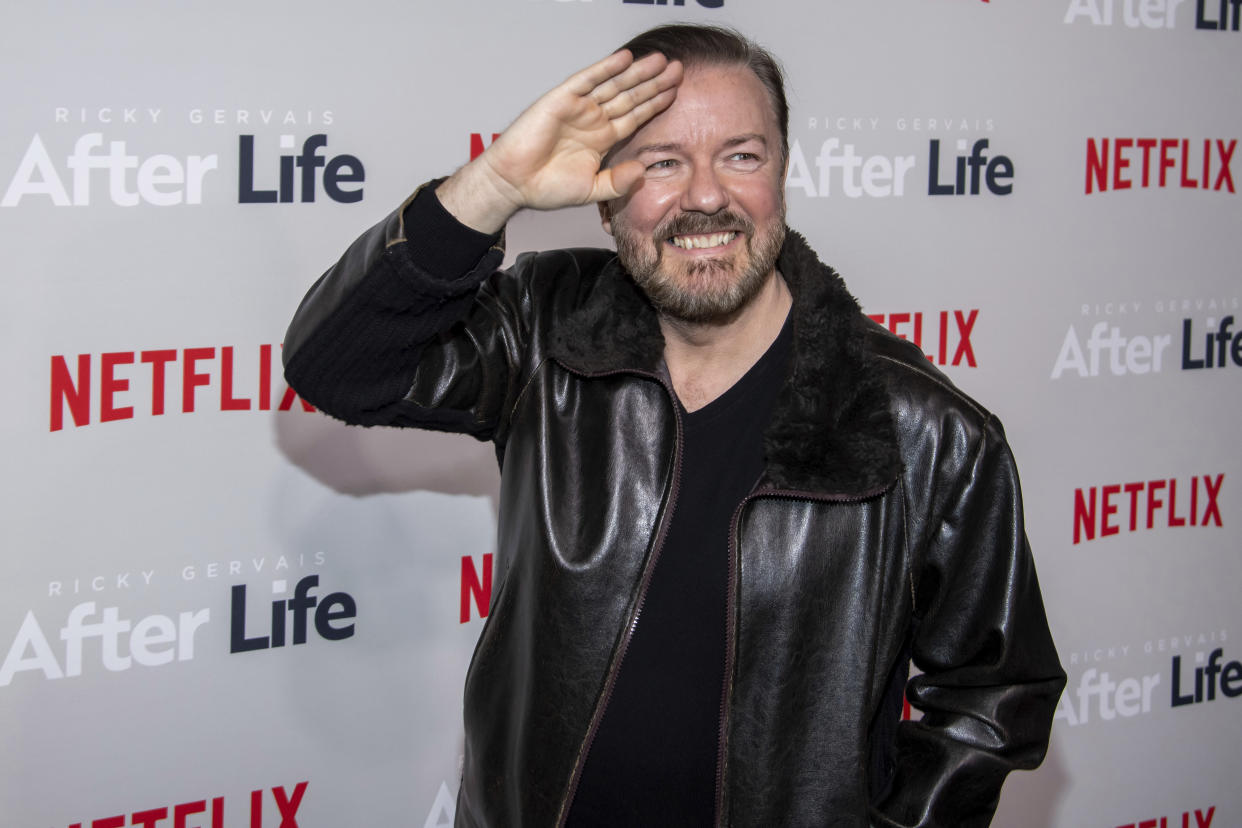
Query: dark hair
(699, 45)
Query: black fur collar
(831, 431)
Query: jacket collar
(831, 431)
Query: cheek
(761, 202)
(647, 208)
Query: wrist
(473, 197)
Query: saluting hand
(550, 156)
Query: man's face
(701, 232)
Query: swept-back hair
(701, 45)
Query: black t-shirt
(653, 759)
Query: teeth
(700, 242)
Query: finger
(634, 75)
(627, 124)
(616, 181)
(632, 98)
(582, 82)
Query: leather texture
(887, 527)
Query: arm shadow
(360, 461)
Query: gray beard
(717, 289)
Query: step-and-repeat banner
(221, 608)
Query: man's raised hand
(550, 156)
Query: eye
(665, 164)
(743, 156)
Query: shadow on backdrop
(360, 461)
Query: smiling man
(733, 510)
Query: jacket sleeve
(381, 340)
(991, 676)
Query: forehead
(714, 103)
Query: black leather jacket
(888, 525)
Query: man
(732, 509)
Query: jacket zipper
(615, 668)
(726, 693)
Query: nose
(704, 192)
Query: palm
(550, 156)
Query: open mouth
(703, 241)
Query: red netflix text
(178, 816)
(1159, 162)
(475, 588)
(949, 342)
(1108, 510)
(1183, 820)
(116, 385)
(476, 144)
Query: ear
(605, 216)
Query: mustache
(689, 224)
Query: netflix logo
(213, 813)
(1108, 510)
(1198, 818)
(947, 333)
(476, 144)
(1124, 163)
(476, 586)
(120, 384)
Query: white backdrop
(163, 489)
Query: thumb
(617, 181)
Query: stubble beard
(709, 289)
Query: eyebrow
(744, 139)
(673, 146)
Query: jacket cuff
(443, 247)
